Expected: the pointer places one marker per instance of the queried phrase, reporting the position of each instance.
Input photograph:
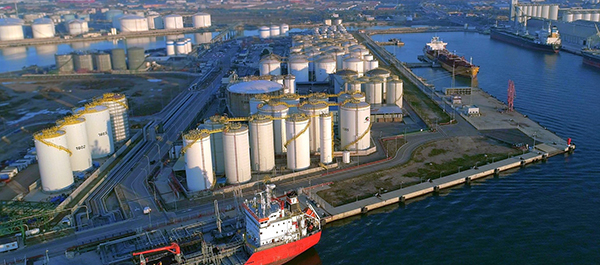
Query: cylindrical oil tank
(180, 47)
(110, 14)
(77, 27)
(152, 20)
(270, 65)
(99, 130)
(360, 97)
(313, 110)
(292, 100)
(340, 77)
(538, 11)
(355, 126)
(170, 48)
(117, 58)
(102, 62)
(326, 127)
(117, 106)
(587, 16)
(83, 62)
(262, 143)
(298, 66)
(354, 64)
(327, 22)
(173, 22)
(368, 57)
(201, 20)
(42, 28)
(297, 144)
(236, 148)
(216, 143)
(135, 58)
(353, 85)
(239, 94)
(64, 63)
(596, 17)
(77, 142)
(277, 111)
(568, 17)
(203, 38)
(53, 159)
(289, 84)
(554, 12)
(274, 31)
(394, 91)
(577, 16)
(264, 32)
(346, 157)
(370, 65)
(11, 29)
(546, 11)
(324, 66)
(374, 92)
(284, 29)
(381, 82)
(199, 173)
(132, 23)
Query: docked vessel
(547, 40)
(591, 57)
(275, 230)
(437, 52)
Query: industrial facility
(117, 60)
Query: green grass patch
(437, 151)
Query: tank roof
(70, 120)
(297, 117)
(173, 15)
(255, 87)
(314, 105)
(10, 21)
(196, 134)
(235, 127)
(202, 14)
(78, 21)
(112, 96)
(128, 17)
(48, 133)
(42, 20)
(353, 60)
(356, 105)
(260, 118)
(274, 106)
(378, 71)
(346, 72)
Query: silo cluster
(77, 27)
(181, 46)
(273, 31)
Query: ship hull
(281, 254)
(591, 60)
(522, 42)
(470, 72)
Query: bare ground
(429, 161)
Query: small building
(386, 113)
(472, 110)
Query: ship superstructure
(458, 65)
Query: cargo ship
(437, 52)
(591, 57)
(547, 40)
(275, 231)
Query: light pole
(159, 155)
(148, 165)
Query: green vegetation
(437, 151)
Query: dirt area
(36, 104)
(430, 161)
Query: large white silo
(173, 22)
(264, 32)
(43, 28)
(538, 11)
(354, 64)
(201, 20)
(394, 91)
(313, 110)
(298, 66)
(53, 159)
(77, 27)
(326, 127)
(77, 142)
(289, 84)
(262, 143)
(577, 16)
(353, 85)
(298, 147)
(270, 65)
(117, 105)
(99, 130)
(568, 17)
(554, 12)
(279, 136)
(324, 66)
(170, 47)
(374, 92)
(355, 124)
(587, 16)
(255, 102)
(340, 78)
(11, 29)
(546, 11)
(274, 31)
(236, 149)
(216, 142)
(284, 28)
(596, 16)
(199, 172)
(132, 23)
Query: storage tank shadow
(309, 257)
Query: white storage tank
(326, 126)
(152, 21)
(216, 143)
(236, 148)
(554, 12)
(354, 85)
(77, 27)
(255, 102)
(264, 32)
(99, 130)
(274, 31)
(170, 48)
(313, 110)
(11, 29)
(289, 84)
(43, 28)
(373, 91)
(327, 22)
(132, 23)
(568, 17)
(538, 11)
(587, 16)
(354, 64)
(198, 161)
(239, 94)
(201, 20)
(180, 47)
(298, 66)
(323, 67)
(276, 110)
(77, 141)
(270, 65)
(262, 143)
(577, 16)
(340, 77)
(596, 17)
(284, 29)
(546, 11)
(297, 144)
(394, 91)
(53, 159)
(355, 126)
(117, 106)
(173, 22)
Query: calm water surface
(546, 213)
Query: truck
(147, 210)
